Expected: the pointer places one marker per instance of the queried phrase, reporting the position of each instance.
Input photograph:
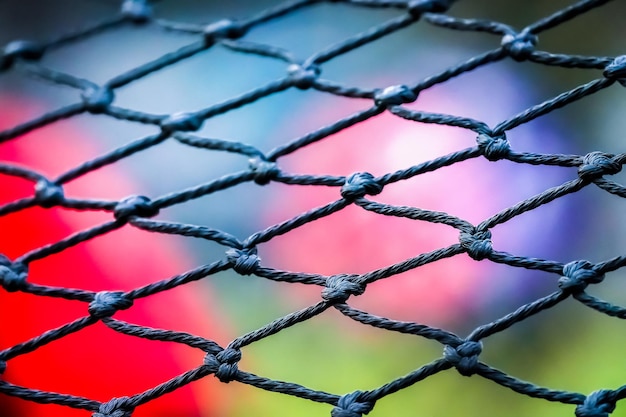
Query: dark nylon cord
(241, 255)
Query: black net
(406, 163)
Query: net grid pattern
(241, 256)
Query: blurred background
(568, 347)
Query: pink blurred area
(448, 292)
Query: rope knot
(137, 11)
(23, 49)
(225, 28)
(12, 274)
(48, 194)
(244, 261)
(596, 164)
(418, 7)
(224, 364)
(616, 70)
(97, 99)
(477, 244)
(187, 122)
(264, 171)
(303, 77)
(116, 407)
(340, 287)
(492, 148)
(135, 205)
(360, 184)
(599, 403)
(351, 405)
(519, 45)
(394, 95)
(464, 357)
(107, 303)
(577, 275)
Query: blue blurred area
(331, 353)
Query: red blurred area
(95, 362)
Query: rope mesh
(264, 167)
